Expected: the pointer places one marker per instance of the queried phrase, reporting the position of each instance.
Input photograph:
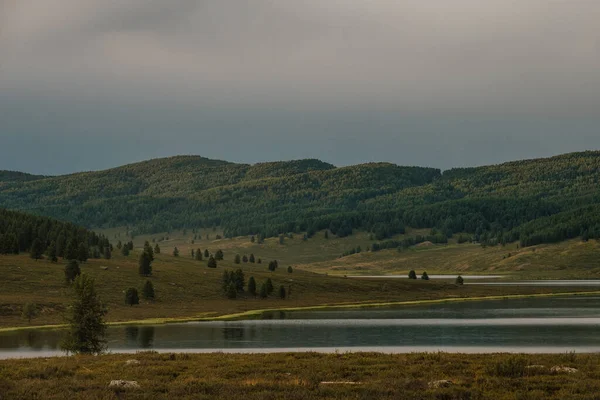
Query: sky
(93, 84)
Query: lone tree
(157, 249)
(131, 296)
(269, 286)
(29, 311)
(37, 249)
(425, 277)
(206, 253)
(252, 286)
(175, 252)
(252, 259)
(86, 320)
(212, 263)
(245, 259)
(412, 274)
(125, 250)
(198, 255)
(459, 280)
(72, 271)
(145, 265)
(290, 269)
(148, 291)
(237, 259)
(282, 292)
(219, 255)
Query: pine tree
(252, 286)
(273, 265)
(239, 280)
(412, 274)
(282, 292)
(51, 252)
(290, 269)
(198, 255)
(252, 259)
(206, 253)
(156, 249)
(119, 245)
(131, 297)
(37, 249)
(125, 250)
(86, 320)
(231, 291)
(148, 291)
(71, 250)
(72, 271)
(144, 264)
(148, 250)
(219, 255)
(459, 280)
(326, 234)
(175, 252)
(263, 291)
(107, 253)
(425, 277)
(259, 261)
(252, 239)
(237, 260)
(269, 286)
(212, 263)
(245, 259)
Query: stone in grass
(443, 383)
(119, 384)
(132, 362)
(564, 370)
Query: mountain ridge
(496, 203)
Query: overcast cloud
(90, 84)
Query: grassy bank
(258, 312)
(187, 289)
(304, 376)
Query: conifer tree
(86, 320)
(212, 263)
(148, 291)
(72, 271)
(252, 286)
(37, 249)
(237, 260)
(252, 259)
(131, 297)
(51, 252)
(144, 264)
(282, 292)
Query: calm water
(527, 325)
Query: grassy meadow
(304, 376)
(186, 288)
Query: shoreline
(253, 313)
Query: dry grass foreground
(305, 376)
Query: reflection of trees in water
(31, 339)
(233, 333)
(146, 337)
(131, 334)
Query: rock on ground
(119, 384)
(566, 370)
(440, 384)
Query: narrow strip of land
(257, 312)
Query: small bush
(512, 367)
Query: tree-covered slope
(21, 232)
(533, 200)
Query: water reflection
(569, 322)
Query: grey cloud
(459, 77)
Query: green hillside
(534, 201)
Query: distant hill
(535, 201)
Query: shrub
(132, 297)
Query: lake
(548, 325)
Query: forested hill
(21, 232)
(533, 201)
